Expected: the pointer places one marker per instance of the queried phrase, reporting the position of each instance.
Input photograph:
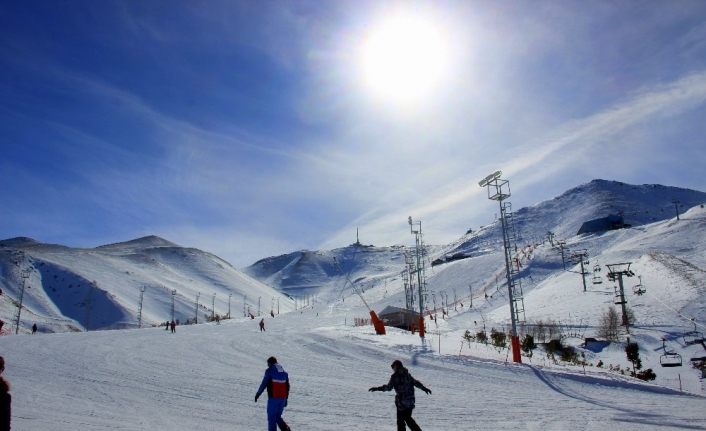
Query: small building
(611, 222)
(399, 317)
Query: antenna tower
(499, 190)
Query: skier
(173, 326)
(403, 383)
(5, 399)
(276, 380)
(166, 326)
(262, 325)
(34, 329)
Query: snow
(205, 376)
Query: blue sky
(245, 128)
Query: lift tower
(616, 271)
(415, 228)
(499, 190)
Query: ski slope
(205, 377)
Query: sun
(404, 58)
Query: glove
(256, 397)
(428, 391)
(373, 389)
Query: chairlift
(693, 337)
(639, 288)
(597, 274)
(670, 358)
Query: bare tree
(608, 325)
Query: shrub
(481, 337)
(498, 338)
(646, 375)
(528, 345)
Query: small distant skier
(166, 326)
(2, 323)
(262, 325)
(173, 326)
(276, 380)
(272, 313)
(218, 319)
(403, 383)
(34, 329)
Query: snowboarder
(34, 329)
(276, 380)
(5, 399)
(262, 325)
(403, 383)
(173, 326)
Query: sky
(250, 129)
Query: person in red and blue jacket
(276, 380)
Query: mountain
(324, 273)
(71, 289)
(564, 215)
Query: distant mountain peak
(19, 241)
(148, 241)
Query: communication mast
(419, 268)
(499, 190)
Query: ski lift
(618, 299)
(670, 358)
(639, 288)
(596, 274)
(693, 337)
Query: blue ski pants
(275, 408)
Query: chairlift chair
(597, 279)
(670, 358)
(639, 288)
(693, 337)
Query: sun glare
(404, 58)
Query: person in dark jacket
(173, 326)
(276, 380)
(403, 383)
(5, 399)
(34, 329)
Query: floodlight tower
(499, 190)
(419, 268)
(616, 271)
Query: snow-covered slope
(204, 377)
(564, 215)
(99, 288)
(323, 273)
